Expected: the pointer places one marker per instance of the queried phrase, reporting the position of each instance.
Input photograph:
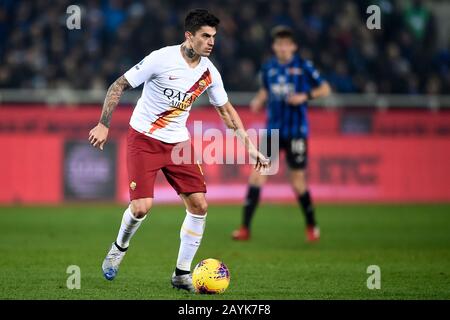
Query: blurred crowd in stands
(37, 50)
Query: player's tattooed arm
(113, 95)
(99, 134)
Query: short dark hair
(282, 32)
(197, 18)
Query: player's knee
(199, 207)
(299, 186)
(298, 181)
(300, 190)
(140, 207)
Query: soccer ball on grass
(210, 276)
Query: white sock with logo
(128, 228)
(190, 235)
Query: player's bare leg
(299, 184)
(256, 181)
(190, 238)
(131, 220)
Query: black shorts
(296, 151)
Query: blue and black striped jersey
(282, 80)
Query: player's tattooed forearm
(112, 99)
(234, 125)
(189, 52)
(228, 119)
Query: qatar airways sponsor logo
(178, 99)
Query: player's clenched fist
(98, 135)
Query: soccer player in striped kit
(288, 83)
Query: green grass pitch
(411, 245)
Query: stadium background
(390, 143)
(382, 137)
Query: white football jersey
(170, 88)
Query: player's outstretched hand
(262, 163)
(98, 136)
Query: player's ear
(188, 36)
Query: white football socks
(128, 227)
(190, 235)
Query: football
(210, 276)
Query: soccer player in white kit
(174, 77)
